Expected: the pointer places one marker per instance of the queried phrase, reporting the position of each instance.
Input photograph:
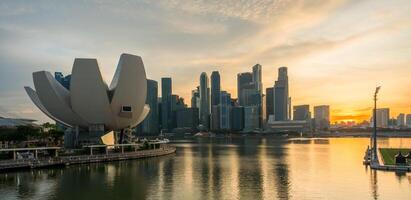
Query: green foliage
(56, 134)
(21, 133)
(388, 155)
(28, 131)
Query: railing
(67, 160)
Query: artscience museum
(91, 108)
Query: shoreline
(13, 165)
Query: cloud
(335, 50)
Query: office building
(215, 117)
(257, 78)
(243, 81)
(400, 122)
(301, 112)
(322, 117)
(225, 107)
(251, 114)
(249, 87)
(281, 98)
(166, 92)
(215, 88)
(237, 118)
(150, 124)
(383, 117)
(195, 98)
(408, 120)
(63, 80)
(269, 102)
(187, 118)
(204, 101)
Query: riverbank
(7, 165)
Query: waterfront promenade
(82, 159)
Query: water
(242, 168)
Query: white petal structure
(89, 93)
(90, 102)
(129, 88)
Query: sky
(336, 52)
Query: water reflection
(237, 168)
(374, 184)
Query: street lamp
(374, 137)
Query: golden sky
(337, 51)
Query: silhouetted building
(187, 118)
(166, 91)
(237, 118)
(408, 120)
(251, 114)
(243, 81)
(269, 102)
(177, 103)
(215, 117)
(301, 112)
(401, 120)
(296, 126)
(282, 101)
(383, 117)
(204, 101)
(215, 88)
(150, 125)
(225, 107)
(63, 80)
(322, 117)
(257, 78)
(195, 98)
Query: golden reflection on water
(266, 167)
(253, 168)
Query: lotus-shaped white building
(90, 102)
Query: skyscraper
(63, 80)
(269, 102)
(322, 117)
(383, 117)
(195, 98)
(301, 112)
(166, 92)
(401, 120)
(257, 78)
(204, 101)
(215, 117)
(237, 118)
(150, 124)
(281, 97)
(215, 88)
(215, 100)
(408, 120)
(251, 114)
(225, 106)
(177, 104)
(243, 81)
(187, 118)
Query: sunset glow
(336, 51)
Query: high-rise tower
(204, 101)
(215, 88)
(281, 97)
(166, 92)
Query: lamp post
(374, 136)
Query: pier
(15, 164)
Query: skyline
(181, 39)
